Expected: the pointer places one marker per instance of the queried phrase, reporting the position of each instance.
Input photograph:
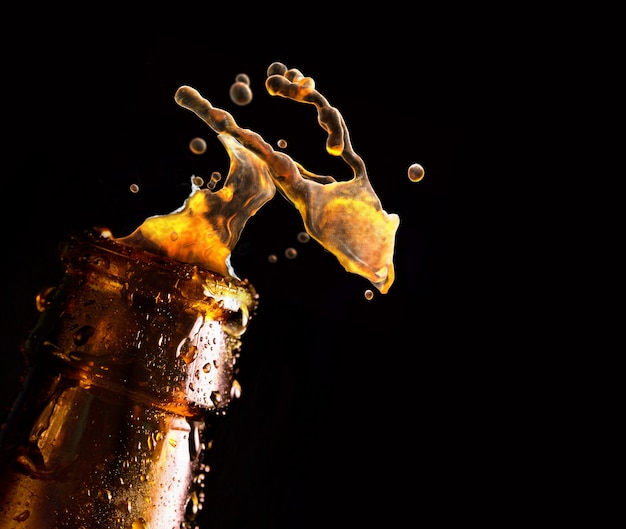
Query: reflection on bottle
(130, 354)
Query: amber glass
(131, 355)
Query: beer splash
(345, 217)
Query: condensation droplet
(240, 93)
(416, 172)
(192, 508)
(303, 237)
(134, 188)
(188, 352)
(140, 523)
(197, 146)
(82, 335)
(369, 294)
(43, 299)
(206, 367)
(235, 390)
(216, 398)
(272, 258)
(282, 143)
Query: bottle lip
(96, 247)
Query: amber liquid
(131, 354)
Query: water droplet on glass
(140, 523)
(43, 299)
(235, 390)
(206, 367)
(195, 443)
(188, 351)
(192, 508)
(216, 398)
(23, 516)
(82, 335)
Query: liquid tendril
(345, 217)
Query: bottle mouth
(126, 321)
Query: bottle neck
(129, 355)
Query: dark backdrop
(352, 410)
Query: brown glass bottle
(131, 354)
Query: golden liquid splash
(345, 217)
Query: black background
(352, 410)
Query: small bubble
(291, 253)
(303, 237)
(242, 78)
(416, 172)
(197, 146)
(282, 143)
(134, 188)
(369, 294)
(272, 258)
(240, 93)
(173, 236)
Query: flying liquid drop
(345, 217)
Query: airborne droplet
(303, 237)
(291, 253)
(416, 172)
(242, 78)
(197, 146)
(240, 93)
